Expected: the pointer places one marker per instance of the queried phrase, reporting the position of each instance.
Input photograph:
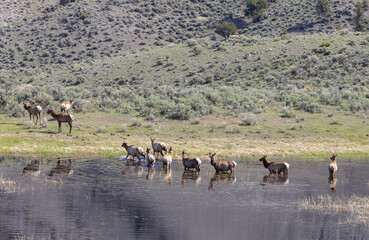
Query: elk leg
(70, 127)
(59, 126)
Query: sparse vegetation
(356, 208)
(254, 8)
(322, 6)
(359, 18)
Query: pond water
(115, 199)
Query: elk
(222, 165)
(150, 159)
(66, 106)
(133, 151)
(333, 166)
(275, 167)
(189, 163)
(158, 147)
(167, 159)
(62, 117)
(33, 111)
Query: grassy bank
(305, 135)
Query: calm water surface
(112, 199)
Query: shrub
(322, 6)
(325, 44)
(255, 8)
(84, 15)
(248, 120)
(286, 113)
(226, 29)
(44, 11)
(359, 20)
(64, 2)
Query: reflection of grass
(314, 137)
(356, 207)
(7, 186)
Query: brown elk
(158, 147)
(133, 151)
(66, 106)
(275, 167)
(149, 158)
(222, 165)
(190, 162)
(33, 111)
(62, 117)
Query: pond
(95, 198)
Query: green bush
(64, 2)
(286, 113)
(84, 15)
(226, 29)
(325, 44)
(254, 8)
(322, 6)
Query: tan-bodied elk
(222, 165)
(66, 106)
(149, 158)
(133, 151)
(275, 167)
(189, 163)
(158, 147)
(168, 158)
(33, 111)
(62, 117)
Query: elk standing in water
(190, 162)
(150, 159)
(62, 117)
(33, 111)
(158, 147)
(167, 159)
(275, 167)
(222, 165)
(66, 106)
(133, 151)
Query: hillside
(60, 35)
(161, 59)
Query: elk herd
(35, 111)
(276, 169)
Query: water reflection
(221, 177)
(167, 175)
(63, 168)
(32, 168)
(190, 176)
(150, 173)
(274, 178)
(332, 181)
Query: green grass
(312, 138)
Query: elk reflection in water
(274, 178)
(167, 175)
(32, 168)
(221, 177)
(332, 181)
(190, 176)
(63, 168)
